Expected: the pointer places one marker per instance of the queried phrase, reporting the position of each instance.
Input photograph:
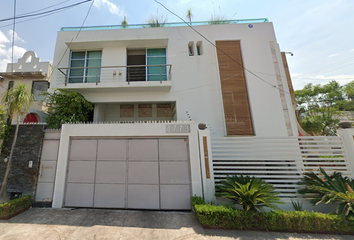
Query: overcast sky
(318, 32)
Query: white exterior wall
(195, 79)
(150, 130)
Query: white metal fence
(279, 161)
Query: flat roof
(177, 24)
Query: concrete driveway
(37, 223)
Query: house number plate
(178, 128)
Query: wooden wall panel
(237, 111)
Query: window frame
(84, 76)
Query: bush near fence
(15, 207)
(225, 217)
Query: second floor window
(85, 67)
(146, 64)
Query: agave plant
(325, 188)
(252, 193)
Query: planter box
(15, 207)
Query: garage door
(128, 173)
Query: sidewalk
(37, 224)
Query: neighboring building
(30, 71)
(151, 78)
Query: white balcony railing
(114, 74)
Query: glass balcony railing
(177, 24)
(114, 74)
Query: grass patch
(15, 207)
(225, 217)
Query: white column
(348, 141)
(207, 171)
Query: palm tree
(17, 102)
(189, 16)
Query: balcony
(116, 78)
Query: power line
(68, 46)
(331, 65)
(41, 13)
(222, 50)
(45, 15)
(13, 38)
(44, 8)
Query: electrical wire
(331, 65)
(13, 38)
(45, 15)
(249, 71)
(68, 46)
(44, 8)
(41, 13)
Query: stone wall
(22, 178)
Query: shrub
(250, 192)
(11, 208)
(325, 188)
(283, 221)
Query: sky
(319, 33)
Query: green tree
(17, 102)
(349, 90)
(66, 107)
(321, 106)
(250, 192)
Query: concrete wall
(144, 130)
(195, 79)
(23, 178)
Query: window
(85, 67)
(153, 64)
(190, 49)
(199, 48)
(156, 56)
(38, 88)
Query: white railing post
(206, 163)
(348, 142)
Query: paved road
(37, 224)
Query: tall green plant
(17, 101)
(189, 16)
(325, 188)
(252, 193)
(157, 20)
(66, 107)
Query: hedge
(225, 217)
(15, 207)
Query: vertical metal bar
(128, 70)
(160, 74)
(66, 78)
(96, 76)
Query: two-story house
(151, 87)
(35, 74)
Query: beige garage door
(128, 173)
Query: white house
(151, 87)
(35, 74)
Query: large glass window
(156, 56)
(85, 67)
